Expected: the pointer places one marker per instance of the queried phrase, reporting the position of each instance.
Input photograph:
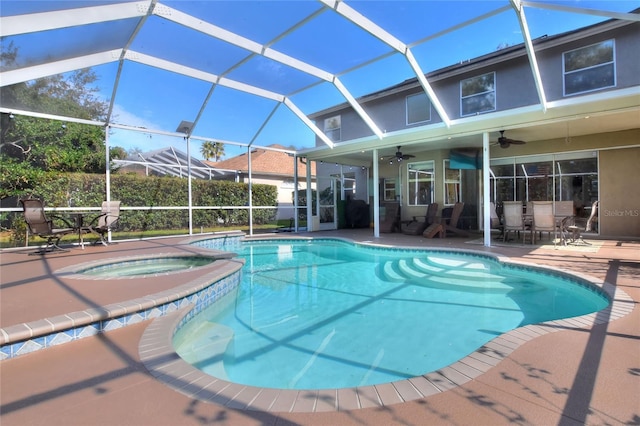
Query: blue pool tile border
(218, 279)
(203, 297)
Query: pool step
(451, 274)
(391, 273)
(218, 338)
(470, 271)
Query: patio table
(78, 224)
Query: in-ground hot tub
(140, 266)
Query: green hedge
(88, 190)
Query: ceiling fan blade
(505, 142)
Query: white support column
(107, 172)
(250, 192)
(486, 192)
(295, 192)
(190, 195)
(376, 196)
(309, 196)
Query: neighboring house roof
(264, 161)
(173, 162)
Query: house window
(452, 185)
(418, 108)
(390, 190)
(332, 128)
(420, 181)
(589, 68)
(478, 94)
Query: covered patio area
(582, 374)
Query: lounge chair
(391, 221)
(106, 221)
(39, 224)
(451, 224)
(513, 220)
(417, 227)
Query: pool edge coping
(23, 338)
(157, 354)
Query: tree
(117, 153)
(213, 150)
(30, 144)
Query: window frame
(463, 98)
(331, 132)
(429, 169)
(611, 63)
(428, 105)
(390, 189)
(446, 182)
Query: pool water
(147, 266)
(329, 314)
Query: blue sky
(156, 99)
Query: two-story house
(578, 116)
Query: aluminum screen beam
(308, 122)
(22, 75)
(390, 40)
(265, 51)
(533, 62)
(44, 21)
(563, 8)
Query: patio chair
(417, 227)
(39, 224)
(593, 217)
(495, 222)
(391, 221)
(544, 220)
(451, 224)
(565, 221)
(513, 220)
(106, 221)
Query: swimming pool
(328, 314)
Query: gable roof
(264, 161)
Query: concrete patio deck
(574, 376)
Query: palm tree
(213, 150)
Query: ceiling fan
(505, 142)
(398, 156)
